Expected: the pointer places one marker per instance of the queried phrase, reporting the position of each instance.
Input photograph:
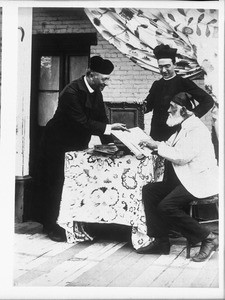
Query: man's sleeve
(185, 150)
(149, 100)
(73, 109)
(205, 101)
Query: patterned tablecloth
(102, 189)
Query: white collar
(170, 77)
(90, 89)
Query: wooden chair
(193, 206)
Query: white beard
(173, 121)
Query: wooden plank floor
(104, 263)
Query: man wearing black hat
(168, 86)
(191, 173)
(79, 115)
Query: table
(104, 189)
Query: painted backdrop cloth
(102, 189)
(136, 32)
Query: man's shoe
(46, 229)
(158, 246)
(209, 244)
(57, 234)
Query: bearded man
(191, 172)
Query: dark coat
(158, 101)
(79, 115)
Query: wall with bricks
(129, 82)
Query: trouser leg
(52, 203)
(54, 181)
(50, 185)
(171, 209)
(152, 194)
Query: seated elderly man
(191, 172)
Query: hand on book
(149, 143)
(119, 126)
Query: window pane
(47, 105)
(49, 73)
(77, 66)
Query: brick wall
(129, 82)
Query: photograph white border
(7, 166)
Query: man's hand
(141, 102)
(138, 101)
(119, 126)
(149, 143)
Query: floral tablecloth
(103, 189)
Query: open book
(131, 139)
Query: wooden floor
(104, 263)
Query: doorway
(57, 59)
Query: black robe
(158, 101)
(79, 115)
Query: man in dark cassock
(79, 115)
(168, 86)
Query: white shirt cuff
(108, 129)
(161, 148)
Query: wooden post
(24, 90)
(8, 126)
(23, 114)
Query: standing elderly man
(79, 115)
(162, 91)
(191, 172)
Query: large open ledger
(131, 139)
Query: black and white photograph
(112, 126)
